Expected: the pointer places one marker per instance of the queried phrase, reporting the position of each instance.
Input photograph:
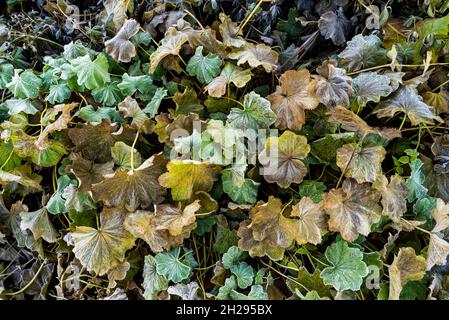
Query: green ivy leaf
(121, 154)
(58, 93)
(91, 74)
(109, 95)
(153, 106)
(239, 189)
(24, 84)
(347, 268)
(173, 265)
(256, 113)
(312, 189)
(131, 84)
(205, 68)
(56, 204)
(415, 182)
(6, 74)
(89, 114)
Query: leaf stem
(132, 149)
(249, 16)
(29, 283)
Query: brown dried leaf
(352, 209)
(311, 223)
(282, 159)
(135, 188)
(119, 47)
(295, 94)
(267, 232)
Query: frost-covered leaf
(187, 102)
(370, 87)
(205, 68)
(333, 86)
(363, 52)
(153, 106)
(352, 122)
(153, 283)
(121, 155)
(255, 56)
(135, 188)
(38, 222)
(119, 47)
(311, 223)
(256, 113)
(362, 163)
(230, 74)
(408, 101)
(352, 209)
(16, 106)
(24, 84)
(6, 74)
(98, 249)
(283, 157)
(174, 265)
(108, 95)
(334, 26)
(347, 268)
(58, 93)
(268, 231)
(130, 109)
(406, 266)
(295, 94)
(91, 74)
(166, 227)
(184, 178)
(88, 172)
(438, 247)
(229, 30)
(94, 142)
(170, 46)
(394, 195)
(132, 84)
(185, 291)
(239, 189)
(415, 182)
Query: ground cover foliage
(92, 206)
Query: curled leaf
(255, 56)
(267, 232)
(119, 47)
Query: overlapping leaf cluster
(95, 205)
